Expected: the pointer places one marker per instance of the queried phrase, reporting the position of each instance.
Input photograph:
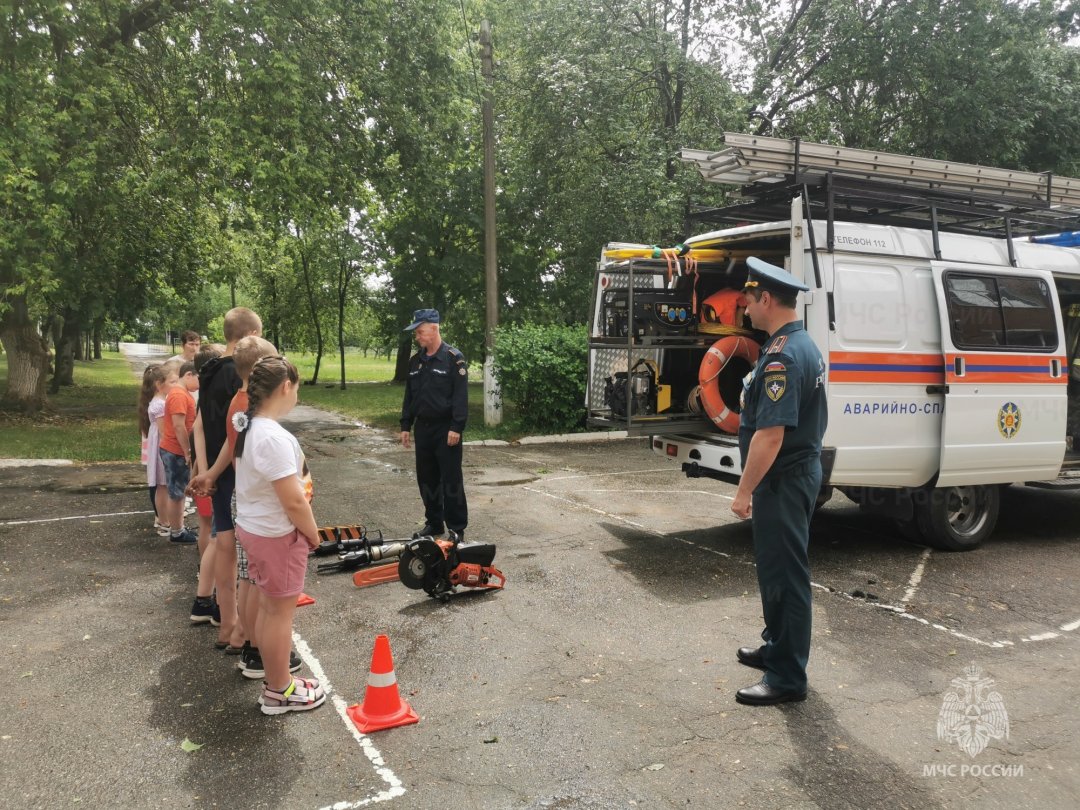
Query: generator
(656, 313)
(647, 396)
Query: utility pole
(492, 399)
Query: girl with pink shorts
(275, 526)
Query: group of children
(252, 493)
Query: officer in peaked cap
(781, 426)
(437, 403)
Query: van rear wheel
(957, 518)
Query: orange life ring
(714, 361)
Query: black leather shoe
(761, 694)
(751, 657)
(428, 531)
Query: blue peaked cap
(770, 277)
(422, 316)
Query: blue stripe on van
(897, 368)
(1040, 369)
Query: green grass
(371, 398)
(357, 367)
(379, 404)
(94, 420)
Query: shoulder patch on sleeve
(777, 345)
(775, 385)
(775, 366)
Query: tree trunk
(401, 366)
(306, 266)
(343, 289)
(341, 340)
(97, 340)
(67, 344)
(77, 345)
(27, 358)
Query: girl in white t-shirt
(275, 526)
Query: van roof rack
(859, 185)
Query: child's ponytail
(266, 375)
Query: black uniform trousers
(438, 473)
(783, 507)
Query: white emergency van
(948, 328)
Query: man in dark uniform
(782, 422)
(437, 401)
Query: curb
(570, 438)
(35, 462)
(556, 438)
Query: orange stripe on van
(886, 367)
(1006, 368)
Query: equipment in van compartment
(656, 313)
(646, 396)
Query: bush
(542, 371)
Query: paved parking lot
(603, 676)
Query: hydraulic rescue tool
(423, 563)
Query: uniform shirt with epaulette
(437, 388)
(786, 389)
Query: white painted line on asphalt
(662, 492)
(370, 751)
(1042, 636)
(916, 578)
(73, 517)
(898, 611)
(599, 475)
(628, 522)
(528, 459)
(901, 612)
(1068, 628)
(956, 633)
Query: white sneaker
(189, 507)
(162, 529)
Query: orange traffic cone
(382, 706)
(304, 599)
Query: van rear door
(1005, 374)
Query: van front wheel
(957, 518)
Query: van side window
(1000, 312)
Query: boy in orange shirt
(175, 447)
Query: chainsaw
(423, 563)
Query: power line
(472, 57)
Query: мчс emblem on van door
(1009, 420)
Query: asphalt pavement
(603, 676)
